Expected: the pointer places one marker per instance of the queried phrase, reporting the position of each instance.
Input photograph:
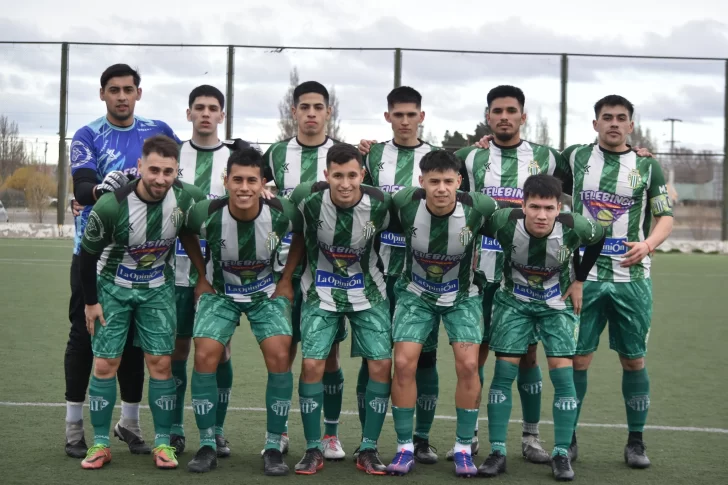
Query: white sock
(130, 411)
(406, 447)
(458, 448)
(74, 411)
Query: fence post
(564, 82)
(397, 68)
(230, 92)
(724, 219)
(62, 116)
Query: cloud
(691, 104)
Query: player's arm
(368, 180)
(462, 155)
(268, 166)
(563, 171)
(484, 204)
(495, 222)
(394, 225)
(86, 189)
(593, 236)
(196, 212)
(296, 251)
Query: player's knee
(106, 368)
(312, 370)
(160, 366)
(181, 348)
(207, 356)
(405, 367)
(632, 364)
(581, 362)
(276, 355)
(466, 367)
(427, 360)
(380, 370)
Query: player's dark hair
(207, 90)
(506, 91)
(246, 157)
(439, 161)
(119, 70)
(310, 87)
(162, 145)
(542, 185)
(613, 100)
(404, 94)
(342, 153)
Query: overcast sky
(454, 86)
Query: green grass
(686, 364)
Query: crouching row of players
(335, 226)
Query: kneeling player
(340, 221)
(127, 245)
(440, 226)
(537, 295)
(243, 232)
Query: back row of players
(428, 240)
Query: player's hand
(203, 286)
(112, 182)
(638, 251)
(267, 194)
(93, 313)
(76, 208)
(365, 145)
(576, 293)
(283, 288)
(484, 142)
(643, 152)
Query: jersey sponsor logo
(202, 406)
(281, 408)
(634, 177)
(379, 404)
(533, 168)
(249, 288)
(179, 250)
(614, 246)
(140, 275)
(369, 230)
(428, 402)
(508, 195)
(490, 244)
(391, 188)
(80, 154)
(324, 279)
(536, 293)
(247, 270)
(536, 275)
(436, 265)
(604, 207)
(286, 241)
(147, 253)
(94, 228)
(565, 403)
(438, 288)
(392, 239)
(166, 403)
(496, 396)
(341, 257)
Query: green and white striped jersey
(205, 168)
(392, 167)
(500, 173)
(620, 191)
(242, 252)
(440, 251)
(341, 272)
(135, 237)
(539, 269)
(291, 163)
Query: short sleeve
(196, 216)
(496, 222)
(660, 203)
(293, 215)
(101, 224)
(587, 231)
(82, 153)
(300, 193)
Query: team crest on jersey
(466, 235)
(563, 254)
(94, 228)
(223, 174)
(272, 241)
(634, 178)
(369, 230)
(148, 253)
(533, 168)
(177, 217)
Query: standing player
(103, 154)
(538, 295)
(202, 162)
(440, 226)
(341, 219)
(393, 165)
(126, 277)
(622, 192)
(289, 163)
(500, 172)
(243, 232)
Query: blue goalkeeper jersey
(104, 147)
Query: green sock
(481, 374)
(101, 402)
(403, 424)
(377, 400)
(500, 403)
(311, 398)
(224, 376)
(204, 404)
(636, 392)
(564, 407)
(529, 388)
(333, 395)
(162, 401)
(179, 373)
(580, 386)
(278, 395)
(465, 428)
(428, 389)
(361, 389)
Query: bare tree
(38, 193)
(642, 138)
(333, 130)
(287, 123)
(12, 150)
(536, 130)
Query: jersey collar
(512, 147)
(212, 148)
(326, 140)
(610, 152)
(402, 147)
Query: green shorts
(371, 330)
(152, 310)
(430, 344)
(628, 309)
(515, 323)
(217, 317)
(416, 319)
(184, 297)
(341, 333)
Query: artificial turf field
(687, 435)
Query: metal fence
(59, 96)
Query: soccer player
(393, 165)
(291, 162)
(500, 172)
(202, 162)
(622, 192)
(103, 155)
(243, 232)
(126, 276)
(538, 295)
(341, 219)
(440, 226)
